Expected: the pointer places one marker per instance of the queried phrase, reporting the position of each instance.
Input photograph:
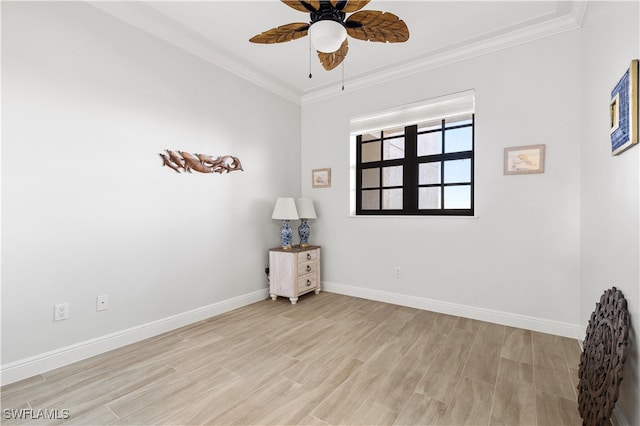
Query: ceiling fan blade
(282, 33)
(349, 6)
(373, 25)
(303, 5)
(331, 60)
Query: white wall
(88, 102)
(610, 207)
(518, 261)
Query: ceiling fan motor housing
(327, 29)
(327, 12)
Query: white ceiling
(440, 32)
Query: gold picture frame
(523, 160)
(321, 178)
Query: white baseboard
(558, 328)
(41, 363)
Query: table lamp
(285, 210)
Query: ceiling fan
(328, 28)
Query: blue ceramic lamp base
(285, 235)
(303, 232)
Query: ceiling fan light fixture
(327, 28)
(327, 35)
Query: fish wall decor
(184, 161)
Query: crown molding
(569, 22)
(145, 18)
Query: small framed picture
(623, 111)
(321, 178)
(520, 160)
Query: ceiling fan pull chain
(327, 30)
(310, 57)
(343, 76)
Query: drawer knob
(308, 256)
(308, 283)
(308, 268)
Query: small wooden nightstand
(294, 272)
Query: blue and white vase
(303, 232)
(285, 234)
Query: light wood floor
(330, 359)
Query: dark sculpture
(602, 358)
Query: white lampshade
(305, 208)
(285, 209)
(327, 35)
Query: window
(424, 168)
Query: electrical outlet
(61, 312)
(102, 303)
(397, 272)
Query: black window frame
(411, 163)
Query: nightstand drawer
(307, 268)
(307, 256)
(306, 283)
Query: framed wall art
(321, 178)
(520, 160)
(623, 111)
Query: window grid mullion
(442, 166)
(411, 172)
(473, 163)
(380, 207)
(359, 174)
